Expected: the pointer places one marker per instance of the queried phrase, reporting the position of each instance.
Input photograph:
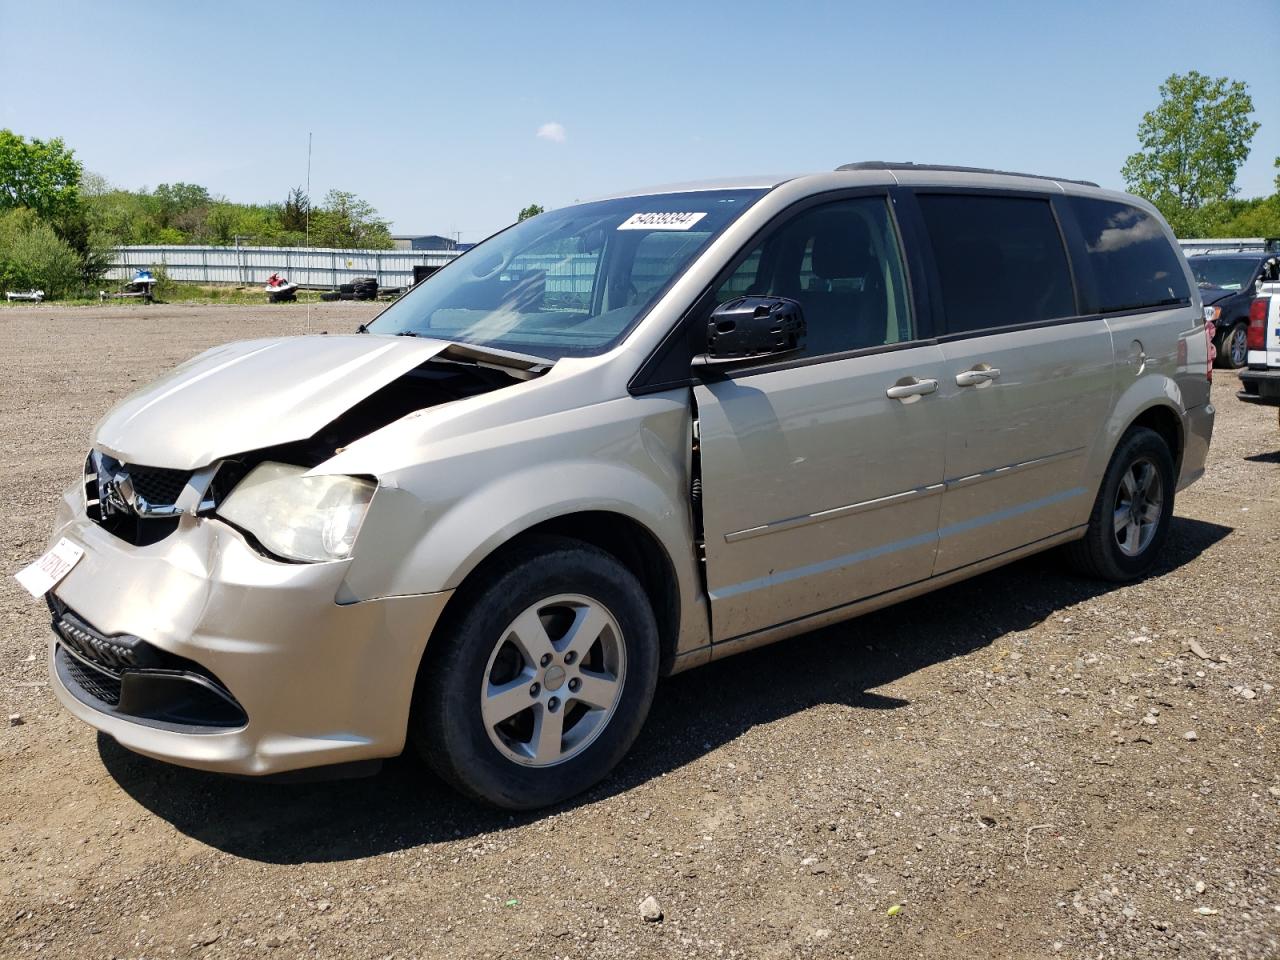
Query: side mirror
(751, 329)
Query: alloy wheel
(1138, 507)
(553, 680)
(1238, 346)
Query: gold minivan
(616, 441)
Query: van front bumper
(319, 682)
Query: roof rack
(891, 165)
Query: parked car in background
(1260, 383)
(1228, 283)
(616, 441)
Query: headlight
(1211, 314)
(296, 516)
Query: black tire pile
(362, 288)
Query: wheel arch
(623, 537)
(1154, 400)
(1164, 419)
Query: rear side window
(1000, 260)
(1134, 265)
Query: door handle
(909, 389)
(977, 376)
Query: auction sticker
(661, 221)
(40, 577)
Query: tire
(329, 296)
(346, 288)
(1125, 554)
(1233, 349)
(500, 637)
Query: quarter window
(1000, 260)
(841, 262)
(1134, 265)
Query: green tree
(182, 206)
(293, 215)
(1192, 144)
(344, 220)
(532, 210)
(34, 257)
(42, 175)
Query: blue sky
(432, 111)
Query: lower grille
(128, 677)
(100, 686)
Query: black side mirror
(753, 328)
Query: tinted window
(1134, 265)
(1000, 260)
(841, 262)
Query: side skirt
(848, 611)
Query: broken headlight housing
(299, 517)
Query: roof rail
(892, 165)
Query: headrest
(842, 248)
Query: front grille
(158, 485)
(100, 686)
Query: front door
(822, 473)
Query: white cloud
(552, 131)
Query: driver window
(841, 262)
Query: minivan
(613, 442)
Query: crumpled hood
(254, 394)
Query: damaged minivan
(616, 441)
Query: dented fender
(453, 500)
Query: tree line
(60, 222)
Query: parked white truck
(1261, 378)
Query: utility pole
(307, 242)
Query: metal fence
(318, 267)
(566, 279)
(1192, 246)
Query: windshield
(571, 282)
(1226, 273)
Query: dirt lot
(1029, 764)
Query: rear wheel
(1131, 515)
(541, 678)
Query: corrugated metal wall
(568, 278)
(319, 267)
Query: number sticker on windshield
(661, 221)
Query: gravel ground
(1027, 765)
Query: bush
(34, 257)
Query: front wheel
(1131, 515)
(1233, 347)
(540, 680)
